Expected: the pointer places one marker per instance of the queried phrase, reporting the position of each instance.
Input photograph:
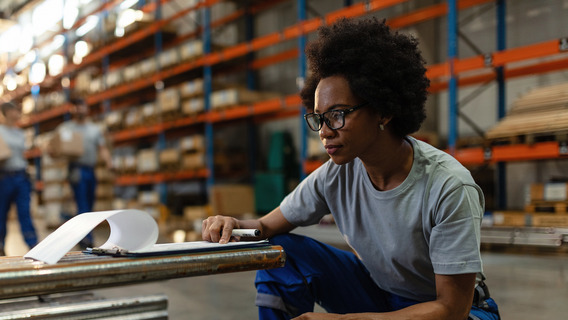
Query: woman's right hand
(212, 227)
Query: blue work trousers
(318, 273)
(16, 187)
(84, 183)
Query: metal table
(78, 271)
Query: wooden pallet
(540, 115)
(560, 207)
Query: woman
(14, 181)
(411, 213)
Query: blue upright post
(161, 144)
(501, 99)
(208, 88)
(251, 84)
(300, 82)
(453, 83)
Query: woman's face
(361, 128)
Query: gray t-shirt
(430, 224)
(92, 140)
(16, 141)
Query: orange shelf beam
(289, 103)
(32, 119)
(509, 73)
(508, 153)
(151, 178)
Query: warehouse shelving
(471, 70)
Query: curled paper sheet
(129, 230)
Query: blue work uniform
(82, 170)
(15, 186)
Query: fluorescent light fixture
(70, 13)
(31, 56)
(119, 32)
(10, 80)
(127, 4)
(90, 23)
(81, 48)
(55, 64)
(37, 73)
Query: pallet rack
(449, 75)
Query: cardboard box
(556, 191)
(5, 151)
(132, 118)
(170, 157)
(191, 213)
(149, 112)
(169, 100)
(191, 50)
(232, 199)
(168, 57)
(193, 106)
(192, 88)
(510, 218)
(66, 143)
(192, 143)
(148, 198)
(147, 161)
(549, 220)
(194, 160)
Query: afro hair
(382, 67)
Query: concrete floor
(526, 286)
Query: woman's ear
(383, 121)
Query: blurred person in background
(15, 185)
(81, 173)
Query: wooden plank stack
(541, 112)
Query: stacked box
(191, 88)
(147, 161)
(114, 78)
(150, 113)
(147, 67)
(191, 50)
(193, 152)
(510, 218)
(232, 199)
(113, 120)
(170, 159)
(169, 57)
(132, 118)
(132, 72)
(234, 96)
(169, 101)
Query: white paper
(129, 230)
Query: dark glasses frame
(315, 120)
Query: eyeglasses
(334, 119)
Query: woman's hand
(218, 229)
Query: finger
(205, 231)
(215, 230)
(228, 227)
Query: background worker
(411, 212)
(15, 186)
(81, 173)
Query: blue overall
(15, 187)
(83, 183)
(335, 279)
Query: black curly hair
(382, 67)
